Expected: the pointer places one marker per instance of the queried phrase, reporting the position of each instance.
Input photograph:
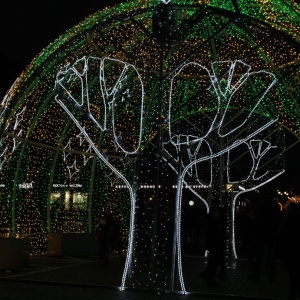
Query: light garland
(17, 123)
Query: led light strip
(173, 138)
(106, 93)
(189, 141)
(242, 192)
(256, 158)
(189, 187)
(74, 168)
(19, 119)
(123, 178)
(85, 101)
(214, 126)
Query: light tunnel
(141, 108)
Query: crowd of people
(272, 233)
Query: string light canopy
(142, 106)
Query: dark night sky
(27, 27)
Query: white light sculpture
(224, 95)
(256, 154)
(81, 138)
(3, 108)
(16, 142)
(68, 146)
(224, 88)
(72, 169)
(85, 157)
(19, 118)
(78, 73)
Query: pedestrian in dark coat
(268, 221)
(215, 238)
(289, 247)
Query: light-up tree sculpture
(114, 96)
(225, 89)
(157, 102)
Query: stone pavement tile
(43, 263)
(14, 290)
(237, 282)
(81, 271)
(88, 273)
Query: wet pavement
(47, 277)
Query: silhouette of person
(215, 239)
(109, 237)
(267, 228)
(114, 236)
(289, 247)
(103, 237)
(247, 220)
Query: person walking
(267, 228)
(103, 237)
(289, 247)
(215, 239)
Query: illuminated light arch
(120, 38)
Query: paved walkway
(66, 278)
